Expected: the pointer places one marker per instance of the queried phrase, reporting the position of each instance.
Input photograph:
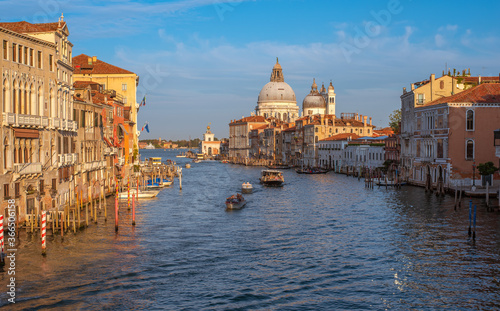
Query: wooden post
(470, 216)
(487, 194)
(133, 210)
(43, 229)
(86, 214)
(105, 207)
(74, 222)
(116, 211)
(62, 225)
(474, 233)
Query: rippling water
(322, 242)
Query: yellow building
(114, 79)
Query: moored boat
(235, 202)
(279, 167)
(272, 178)
(188, 165)
(311, 171)
(142, 194)
(246, 187)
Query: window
(54, 183)
(51, 63)
(5, 49)
(20, 54)
(5, 191)
(124, 87)
(420, 100)
(418, 148)
(125, 100)
(42, 186)
(14, 52)
(440, 122)
(440, 148)
(26, 55)
(17, 192)
(470, 120)
(469, 150)
(31, 57)
(39, 59)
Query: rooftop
(481, 94)
(85, 64)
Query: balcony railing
(28, 168)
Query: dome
(314, 99)
(277, 91)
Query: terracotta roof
(82, 66)
(353, 122)
(259, 127)
(475, 80)
(83, 84)
(25, 27)
(343, 136)
(98, 98)
(291, 129)
(251, 119)
(483, 93)
(386, 131)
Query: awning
(26, 133)
(123, 128)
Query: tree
(395, 120)
(487, 168)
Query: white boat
(188, 165)
(142, 194)
(246, 188)
(150, 146)
(235, 202)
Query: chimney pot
(94, 59)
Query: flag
(147, 127)
(143, 103)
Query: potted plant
(486, 170)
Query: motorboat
(311, 171)
(246, 188)
(235, 202)
(272, 178)
(188, 165)
(158, 183)
(279, 167)
(143, 194)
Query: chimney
(370, 120)
(433, 77)
(365, 121)
(479, 81)
(412, 86)
(89, 60)
(404, 90)
(94, 59)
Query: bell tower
(330, 105)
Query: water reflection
(320, 242)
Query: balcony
(90, 166)
(9, 118)
(28, 168)
(56, 123)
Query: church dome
(277, 91)
(314, 99)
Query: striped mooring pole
(44, 227)
(133, 209)
(1, 241)
(128, 193)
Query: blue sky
(205, 61)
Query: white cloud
(439, 40)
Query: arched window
(14, 95)
(469, 150)
(470, 120)
(5, 96)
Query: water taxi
(235, 202)
(141, 195)
(246, 188)
(272, 178)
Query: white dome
(277, 92)
(314, 101)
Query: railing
(28, 168)
(56, 122)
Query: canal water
(321, 242)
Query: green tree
(394, 120)
(487, 168)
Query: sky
(205, 61)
